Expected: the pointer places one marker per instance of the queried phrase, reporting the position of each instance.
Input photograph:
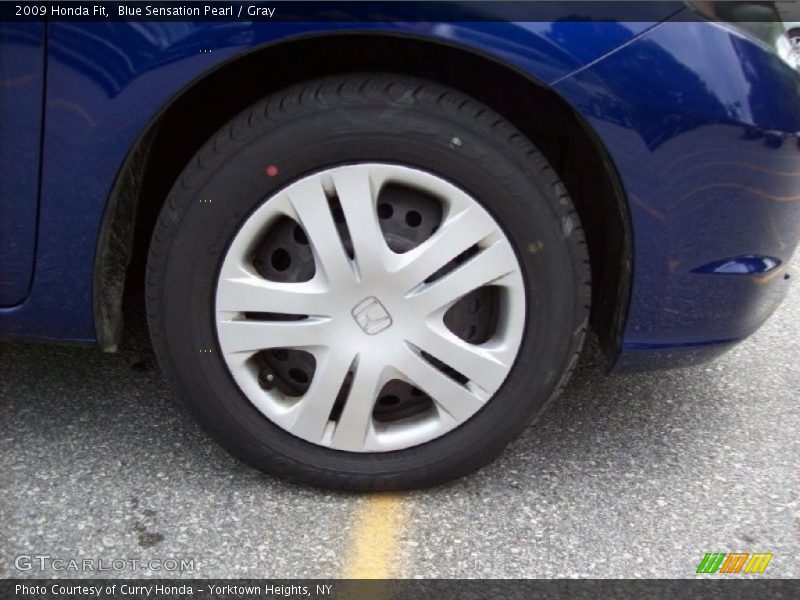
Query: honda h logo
(371, 316)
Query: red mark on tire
(271, 170)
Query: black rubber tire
(341, 120)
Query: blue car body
(698, 121)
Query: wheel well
(163, 150)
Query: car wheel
(367, 282)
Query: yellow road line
(378, 523)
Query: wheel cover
(369, 317)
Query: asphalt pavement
(633, 475)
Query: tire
(319, 133)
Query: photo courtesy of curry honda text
(371, 249)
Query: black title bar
(339, 589)
(411, 11)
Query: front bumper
(702, 125)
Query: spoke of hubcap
(455, 236)
(314, 409)
(252, 336)
(357, 197)
(250, 293)
(455, 399)
(356, 418)
(477, 364)
(311, 205)
(486, 267)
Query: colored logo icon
(734, 562)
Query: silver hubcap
(370, 317)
